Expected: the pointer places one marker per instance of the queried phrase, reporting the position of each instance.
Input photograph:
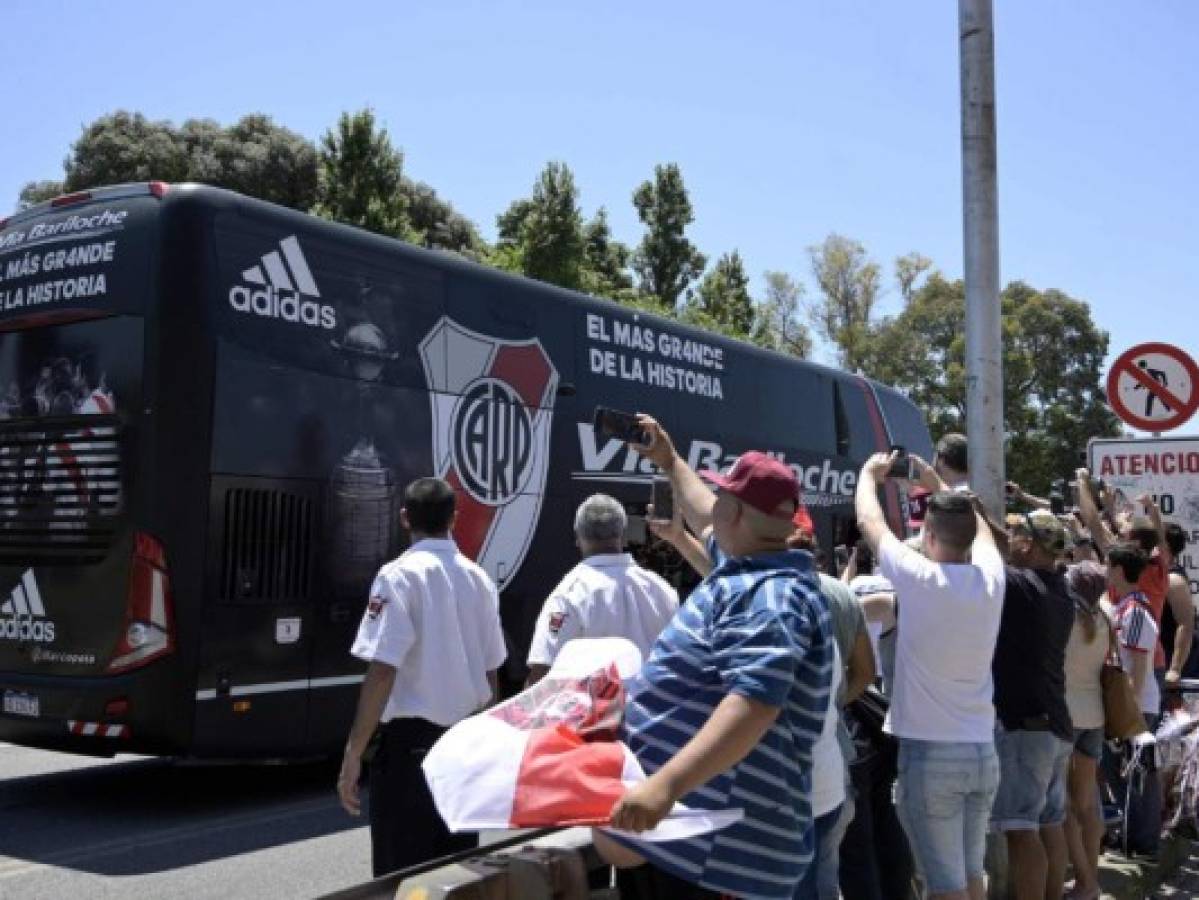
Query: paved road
(146, 828)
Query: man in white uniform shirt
(605, 595)
(432, 636)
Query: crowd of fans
(953, 681)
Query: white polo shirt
(435, 616)
(606, 595)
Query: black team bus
(209, 406)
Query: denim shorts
(1034, 767)
(1089, 742)
(943, 796)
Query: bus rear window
(65, 395)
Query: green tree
(253, 156)
(666, 262)
(779, 325)
(361, 175)
(723, 297)
(908, 269)
(606, 261)
(542, 235)
(35, 192)
(1052, 365)
(124, 146)
(259, 159)
(436, 223)
(849, 285)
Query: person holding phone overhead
(726, 711)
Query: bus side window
(841, 420)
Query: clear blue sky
(789, 119)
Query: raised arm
(693, 497)
(688, 545)
(871, 521)
(989, 530)
(1090, 513)
(1153, 511)
(1028, 499)
(1179, 598)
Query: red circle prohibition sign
(1181, 401)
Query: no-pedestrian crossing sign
(1154, 387)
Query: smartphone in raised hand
(618, 424)
(901, 466)
(662, 498)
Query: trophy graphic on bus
(363, 493)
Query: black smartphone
(618, 424)
(901, 466)
(635, 531)
(1074, 502)
(865, 557)
(841, 557)
(662, 498)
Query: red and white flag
(550, 755)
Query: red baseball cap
(759, 480)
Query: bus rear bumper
(97, 716)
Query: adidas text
(270, 302)
(27, 630)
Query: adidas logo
(22, 615)
(283, 281)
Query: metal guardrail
(552, 864)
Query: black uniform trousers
(406, 829)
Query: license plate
(19, 704)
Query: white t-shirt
(606, 595)
(948, 622)
(828, 762)
(434, 615)
(864, 586)
(1136, 633)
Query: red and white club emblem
(492, 404)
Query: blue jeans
(1033, 768)
(821, 881)
(943, 796)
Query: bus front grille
(60, 489)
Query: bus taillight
(149, 627)
(70, 199)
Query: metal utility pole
(980, 233)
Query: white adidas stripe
(299, 266)
(18, 601)
(34, 595)
(288, 272)
(276, 271)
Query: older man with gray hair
(605, 595)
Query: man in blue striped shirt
(727, 708)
